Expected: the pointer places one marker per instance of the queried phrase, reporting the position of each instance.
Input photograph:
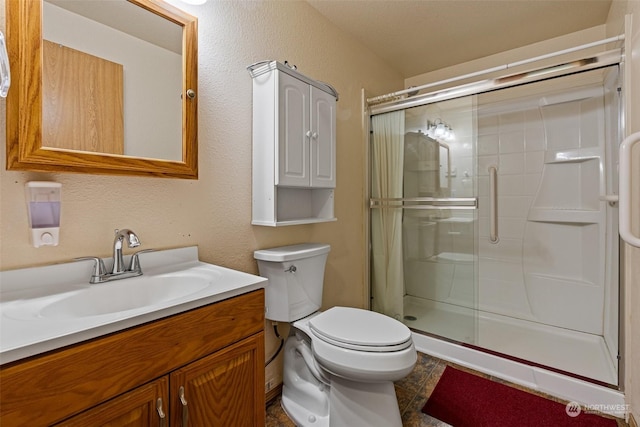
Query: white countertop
(24, 293)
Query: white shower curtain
(386, 223)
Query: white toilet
(339, 365)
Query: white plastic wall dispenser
(43, 202)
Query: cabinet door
(224, 389)
(144, 406)
(323, 139)
(293, 132)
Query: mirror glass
(111, 79)
(102, 87)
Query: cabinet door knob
(314, 135)
(185, 409)
(308, 134)
(161, 414)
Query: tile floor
(412, 392)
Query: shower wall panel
(548, 265)
(564, 239)
(511, 138)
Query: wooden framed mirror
(96, 109)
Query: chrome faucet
(132, 241)
(118, 271)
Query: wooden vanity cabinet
(145, 406)
(220, 390)
(204, 367)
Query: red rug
(466, 400)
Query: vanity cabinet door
(293, 132)
(323, 139)
(223, 389)
(306, 135)
(144, 406)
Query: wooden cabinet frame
(24, 102)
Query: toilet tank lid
(292, 252)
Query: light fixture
(440, 130)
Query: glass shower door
(436, 213)
(549, 288)
(531, 271)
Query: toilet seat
(360, 330)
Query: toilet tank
(296, 279)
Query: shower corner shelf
(576, 155)
(574, 216)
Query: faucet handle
(99, 270)
(134, 264)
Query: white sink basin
(44, 308)
(118, 298)
(124, 295)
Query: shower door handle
(624, 207)
(493, 204)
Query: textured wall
(214, 212)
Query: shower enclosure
(494, 222)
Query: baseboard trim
(274, 393)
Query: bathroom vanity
(203, 364)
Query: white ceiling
(418, 36)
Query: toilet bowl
(340, 364)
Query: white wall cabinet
(294, 147)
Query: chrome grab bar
(493, 204)
(424, 203)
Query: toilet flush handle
(292, 269)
